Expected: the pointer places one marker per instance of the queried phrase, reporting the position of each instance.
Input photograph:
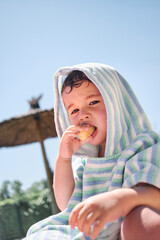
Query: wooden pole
(54, 206)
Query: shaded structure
(34, 126)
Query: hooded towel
(132, 152)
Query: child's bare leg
(141, 223)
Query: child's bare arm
(63, 175)
(107, 207)
(63, 182)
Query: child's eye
(94, 102)
(74, 111)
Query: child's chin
(94, 142)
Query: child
(113, 184)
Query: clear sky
(39, 36)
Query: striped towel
(132, 153)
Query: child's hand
(70, 143)
(96, 210)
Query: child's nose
(84, 115)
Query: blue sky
(39, 36)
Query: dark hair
(75, 79)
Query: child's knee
(141, 223)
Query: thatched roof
(23, 129)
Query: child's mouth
(95, 132)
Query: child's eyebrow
(93, 95)
(72, 104)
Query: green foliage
(5, 192)
(11, 190)
(17, 188)
(20, 209)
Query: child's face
(85, 105)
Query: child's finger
(99, 224)
(86, 217)
(89, 221)
(86, 140)
(74, 215)
(75, 130)
(82, 217)
(78, 128)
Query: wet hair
(75, 79)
